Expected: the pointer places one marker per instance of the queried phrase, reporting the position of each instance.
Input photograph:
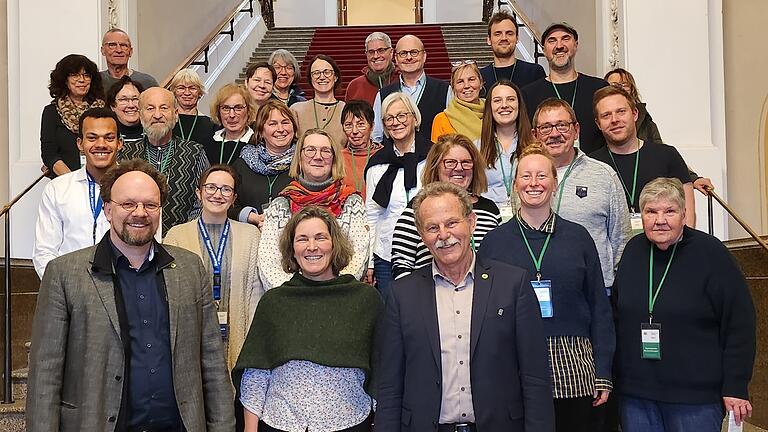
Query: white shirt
(382, 220)
(64, 219)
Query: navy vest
(432, 103)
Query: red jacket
(361, 88)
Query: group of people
(463, 256)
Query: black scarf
(407, 162)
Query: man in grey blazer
(125, 334)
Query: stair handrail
(204, 45)
(712, 196)
(525, 22)
(7, 333)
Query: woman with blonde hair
(464, 114)
(188, 89)
(317, 170)
(233, 109)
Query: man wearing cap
(502, 38)
(561, 42)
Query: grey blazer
(77, 361)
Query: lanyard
(96, 203)
(573, 100)
(562, 184)
(217, 257)
(651, 295)
(270, 183)
(631, 196)
(161, 163)
(496, 78)
(231, 156)
(359, 182)
(507, 181)
(181, 129)
(536, 261)
(418, 97)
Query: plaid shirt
(570, 357)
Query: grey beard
(157, 132)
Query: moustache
(450, 241)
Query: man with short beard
(181, 161)
(502, 38)
(379, 72)
(561, 41)
(125, 335)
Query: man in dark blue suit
(461, 342)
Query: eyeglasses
(310, 152)
(184, 89)
(548, 128)
(281, 68)
(378, 51)
(325, 72)
(462, 62)
(621, 85)
(401, 118)
(127, 100)
(226, 191)
(361, 125)
(131, 206)
(114, 45)
(85, 76)
(466, 164)
(405, 53)
(226, 109)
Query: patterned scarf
(70, 113)
(262, 162)
(332, 197)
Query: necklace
(330, 117)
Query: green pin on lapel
(173, 265)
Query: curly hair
(72, 64)
(342, 247)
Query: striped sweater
(410, 253)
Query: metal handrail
(7, 354)
(226, 26)
(711, 195)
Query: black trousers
(365, 426)
(574, 414)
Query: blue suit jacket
(509, 365)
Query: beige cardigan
(245, 286)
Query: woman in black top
(188, 88)
(123, 98)
(233, 110)
(75, 86)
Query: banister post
(7, 354)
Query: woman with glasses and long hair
(75, 86)
(392, 178)
(453, 159)
(317, 170)
(464, 114)
(323, 111)
(506, 131)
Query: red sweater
(362, 89)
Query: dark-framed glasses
(547, 129)
(226, 190)
(360, 125)
(466, 164)
(310, 152)
(405, 53)
(226, 109)
(325, 72)
(378, 51)
(401, 118)
(131, 206)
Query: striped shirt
(408, 250)
(571, 362)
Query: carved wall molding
(112, 13)
(614, 56)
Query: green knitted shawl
(330, 323)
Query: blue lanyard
(217, 257)
(96, 203)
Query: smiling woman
(123, 98)
(324, 110)
(464, 114)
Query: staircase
(443, 43)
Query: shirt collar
(419, 82)
(411, 149)
(218, 136)
(547, 227)
(470, 273)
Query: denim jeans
(643, 415)
(382, 271)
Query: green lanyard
(507, 181)
(562, 184)
(418, 97)
(162, 163)
(631, 196)
(573, 100)
(181, 129)
(536, 262)
(651, 295)
(359, 183)
(271, 182)
(330, 117)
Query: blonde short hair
(663, 188)
(337, 167)
(225, 93)
(188, 76)
(406, 100)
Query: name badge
(82, 159)
(650, 338)
(506, 212)
(636, 221)
(223, 324)
(543, 290)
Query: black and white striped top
(410, 253)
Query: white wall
(305, 13)
(441, 11)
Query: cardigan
(245, 288)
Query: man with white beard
(182, 162)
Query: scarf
(70, 113)
(380, 79)
(408, 162)
(331, 197)
(466, 117)
(260, 161)
(330, 323)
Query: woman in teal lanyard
(233, 109)
(357, 122)
(228, 250)
(188, 88)
(566, 276)
(506, 131)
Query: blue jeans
(382, 271)
(643, 415)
